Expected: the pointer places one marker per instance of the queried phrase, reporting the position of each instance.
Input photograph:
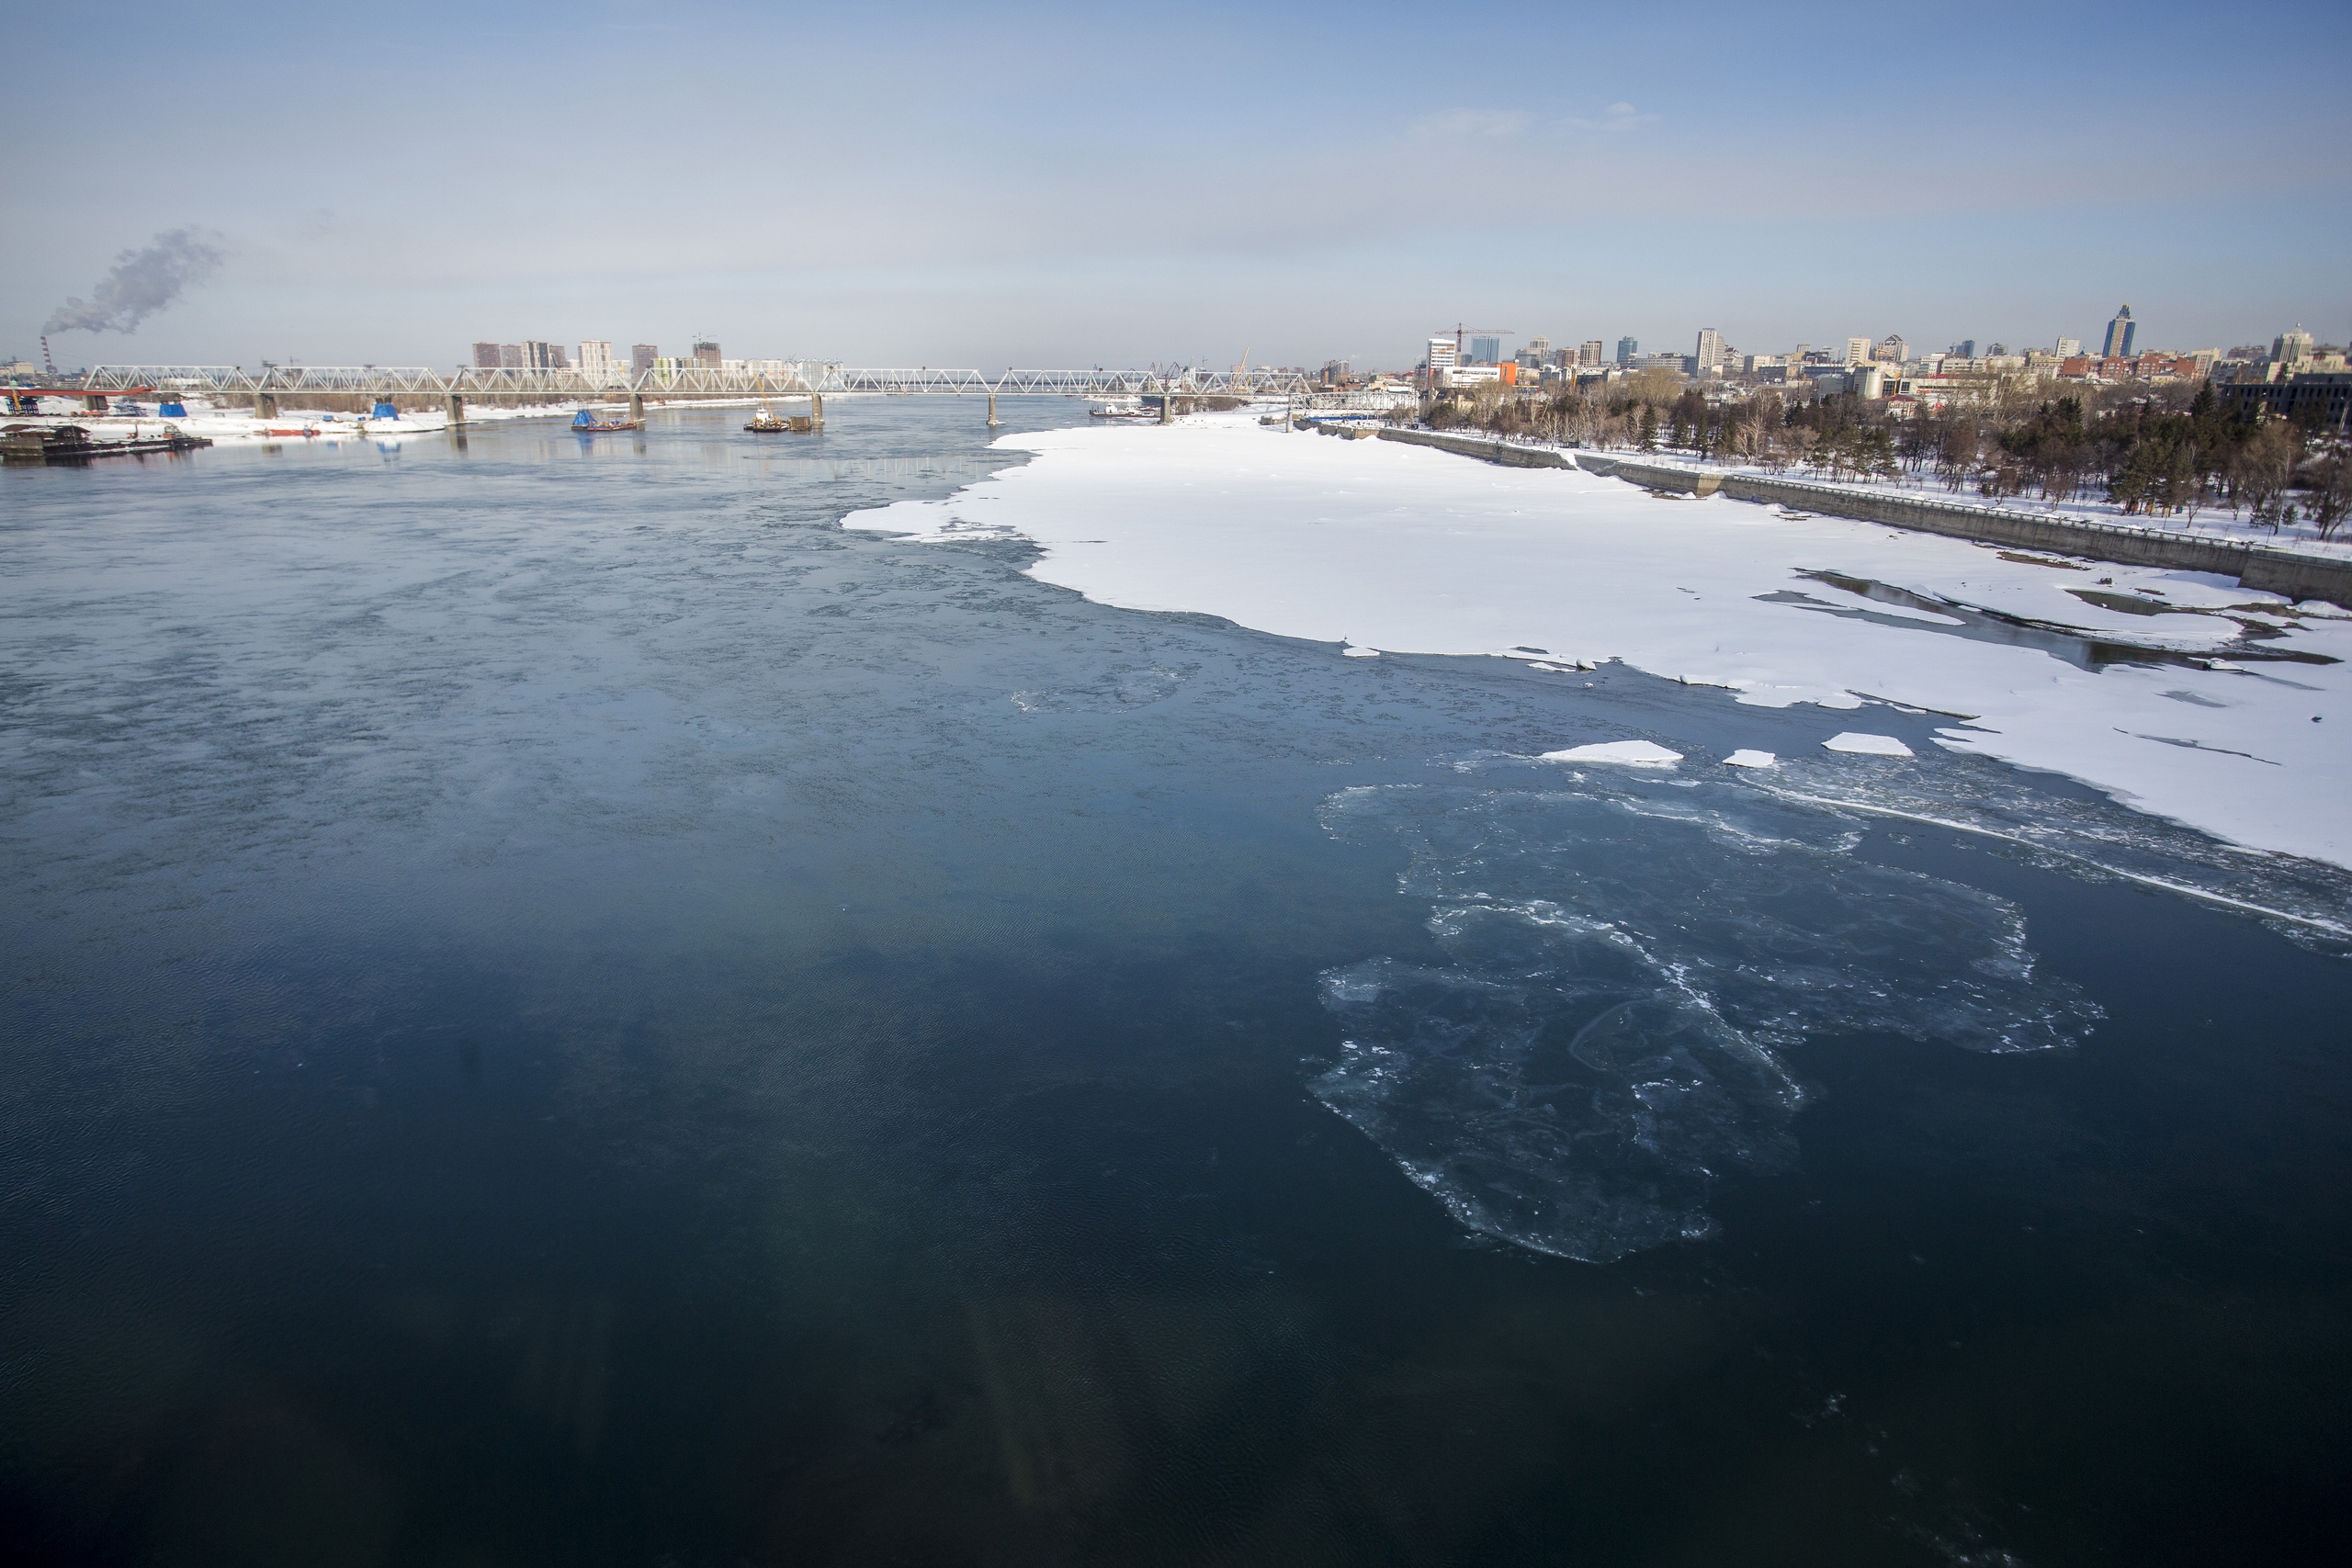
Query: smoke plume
(143, 282)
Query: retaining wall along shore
(2285, 572)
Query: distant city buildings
(1442, 354)
(1859, 351)
(2291, 348)
(2068, 347)
(538, 356)
(641, 356)
(2322, 397)
(1626, 349)
(486, 357)
(1591, 351)
(706, 353)
(1892, 349)
(1485, 350)
(596, 357)
(2118, 342)
(1710, 354)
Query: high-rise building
(1892, 350)
(1441, 355)
(1540, 347)
(596, 357)
(1964, 349)
(1485, 350)
(1591, 351)
(1711, 353)
(2291, 348)
(486, 357)
(1858, 350)
(510, 356)
(541, 355)
(707, 354)
(641, 356)
(2068, 347)
(1626, 349)
(2118, 344)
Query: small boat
(586, 423)
(768, 423)
(282, 430)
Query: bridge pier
(456, 409)
(637, 407)
(993, 421)
(265, 405)
(817, 412)
(1167, 404)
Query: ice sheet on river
(2181, 695)
(1625, 966)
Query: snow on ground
(2215, 523)
(1385, 546)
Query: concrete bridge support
(816, 412)
(456, 409)
(265, 405)
(993, 421)
(637, 407)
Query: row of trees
(2160, 451)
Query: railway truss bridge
(786, 380)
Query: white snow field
(1378, 544)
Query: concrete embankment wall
(2270, 571)
(1484, 449)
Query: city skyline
(946, 188)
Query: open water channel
(562, 1007)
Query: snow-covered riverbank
(1404, 548)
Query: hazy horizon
(1083, 185)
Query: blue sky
(985, 186)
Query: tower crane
(1461, 331)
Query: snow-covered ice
(1387, 546)
(1862, 745)
(1748, 756)
(1627, 753)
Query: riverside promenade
(2292, 573)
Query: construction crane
(1461, 331)
(1242, 368)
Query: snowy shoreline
(2237, 726)
(2213, 524)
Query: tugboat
(586, 423)
(768, 423)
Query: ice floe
(1625, 753)
(1596, 1050)
(1861, 745)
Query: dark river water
(563, 1008)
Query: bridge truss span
(789, 378)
